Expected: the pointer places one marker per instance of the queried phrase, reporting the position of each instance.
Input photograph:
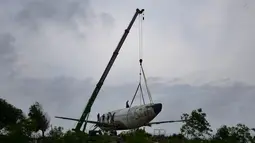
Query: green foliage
(71, 136)
(239, 134)
(176, 138)
(20, 132)
(9, 114)
(38, 118)
(196, 125)
(56, 134)
(136, 136)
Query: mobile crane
(87, 109)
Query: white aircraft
(128, 118)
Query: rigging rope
(141, 57)
(140, 37)
(146, 85)
(141, 67)
(142, 95)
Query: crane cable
(141, 58)
(141, 67)
(140, 73)
(141, 18)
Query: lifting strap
(141, 96)
(141, 68)
(140, 86)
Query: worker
(110, 117)
(112, 120)
(107, 118)
(127, 105)
(103, 116)
(98, 117)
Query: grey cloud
(7, 55)
(54, 93)
(34, 13)
(213, 36)
(48, 32)
(59, 96)
(228, 105)
(107, 20)
(6, 47)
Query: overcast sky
(196, 54)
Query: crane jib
(104, 75)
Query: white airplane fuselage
(131, 118)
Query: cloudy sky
(196, 54)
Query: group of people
(109, 118)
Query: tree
(136, 136)
(39, 118)
(20, 132)
(237, 134)
(71, 136)
(9, 114)
(196, 126)
(222, 133)
(176, 138)
(241, 132)
(14, 125)
(56, 134)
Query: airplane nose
(157, 108)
